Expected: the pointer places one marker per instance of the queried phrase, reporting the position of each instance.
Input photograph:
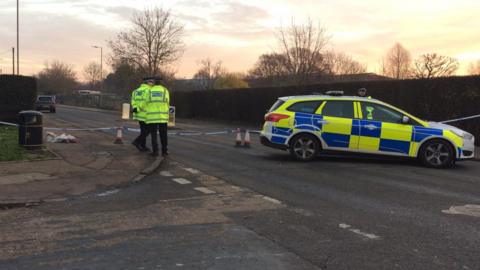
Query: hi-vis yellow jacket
(157, 105)
(138, 98)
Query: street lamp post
(101, 65)
(18, 41)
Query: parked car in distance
(46, 103)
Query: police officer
(139, 113)
(157, 108)
(362, 92)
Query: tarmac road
(337, 212)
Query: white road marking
(191, 170)
(237, 188)
(181, 181)
(303, 212)
(204, 190)
(139, 178)
(357, 231)
(166, 173)
(56, 200)
(108, 192)
(468, 210)
(272, 200)
(179, 264)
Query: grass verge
(11, 151)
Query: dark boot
(137, 145)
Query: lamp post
(101, 65)
(18, 41)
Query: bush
(17, 93)
(435, 99)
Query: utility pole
(13, 60)
(18, 41)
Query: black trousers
(162, 129)
(144, 131)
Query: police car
(306, 125)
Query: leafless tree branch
(433, 65)
(154, 41)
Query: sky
(237, 32)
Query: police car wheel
(437, 154)
(304, 147)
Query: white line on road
(237, 188)
(357, 231)
(139, 178)
(181, 181)
(272, 200)
(108, 193)
(204, 190)
(468, 210)
(191, 170)
(166, 173)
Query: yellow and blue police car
(307, 125)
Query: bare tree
(56, 78)
(397, 63)
(269, 66)
(338, 63)
(154, 40)
(209, 72)
(474, 68)
(92, 73)
(433, 65)
(303, 45)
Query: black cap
(146, 79)
(158, 79)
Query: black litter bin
(30, 129)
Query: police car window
(276, 105)
(377, 112)
(305, 106)
(45, 98)
(338, 108)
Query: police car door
(337, 125)
(382, 130)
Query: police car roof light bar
(334, 93)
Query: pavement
(213, 206)
(95, 163)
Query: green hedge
(17, 93)
(434, 100)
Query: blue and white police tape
(64, 129)
(189, 133)
(461, 119)
(178, 133)
(8, 124)
(81, 129)
(196, 133)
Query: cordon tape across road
(179, 133)
(193, 133)
(461, 119)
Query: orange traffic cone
(238, 140)
(246, 143)
(118, 139)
